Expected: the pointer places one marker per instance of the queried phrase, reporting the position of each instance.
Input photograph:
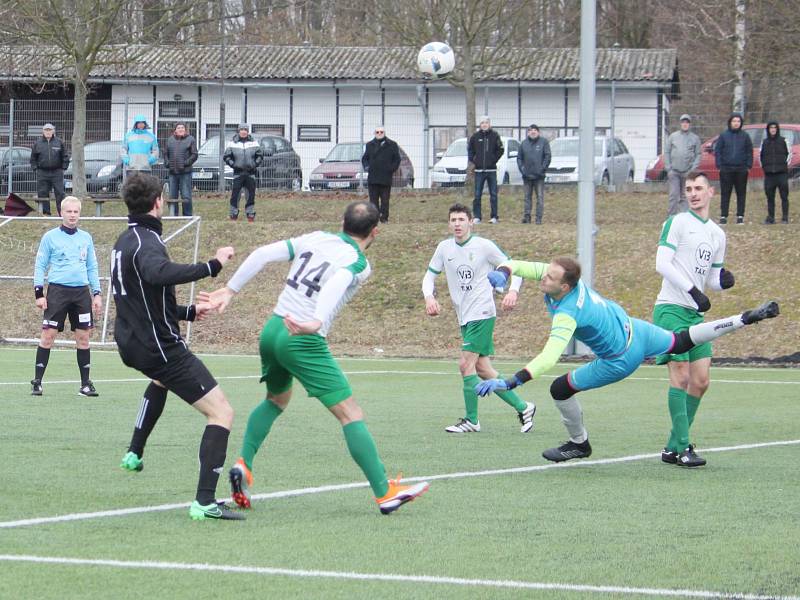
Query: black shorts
(186, 377)
(63, 300)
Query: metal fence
(312, 135)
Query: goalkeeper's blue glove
(498, 278)
(484, 388)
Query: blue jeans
(182, 182)
(480, 178)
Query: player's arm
(560, 333)
(92, 271)
(666, 268)
(40, 266)
(435, 267)
(520, 268)
(156, 268)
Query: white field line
(388, 372)
(422, 579)
(349, 486)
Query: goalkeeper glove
(498, 278)
(726, 279)
(484, 388)
(703, 303)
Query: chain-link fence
(312, 134)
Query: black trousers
(728, 181)
(379, 196)
(248, 182)
(47, 180)
(779, 181)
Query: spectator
(484, 150)
(140, 147)
(179, 156)
(775, 158)
(682, 156)
(49, 158)
(243, 155)
(381, 159)
(533, 159)
(734, 157)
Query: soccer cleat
(131, 462)
(215, 510)
(36, 387)
(493, 220)
(464, 426)
(241, 480)
(526, 417)
(87, 389)
(768, 310)
(398, 494)
(668, 456)
(567, 451)
(688, 458)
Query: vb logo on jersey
(703, 257)
(465, 277)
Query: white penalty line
(387, 577)
(119, 512)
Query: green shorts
(306, 357)
(679, 318)
(478, 337)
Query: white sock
(706, 332)
(572, 418)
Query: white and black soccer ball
(436, 59)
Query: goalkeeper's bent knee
(560, 389)
(683, 343)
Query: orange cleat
(241, 480)
(398, 494)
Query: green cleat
(131, 462)
(215, 510)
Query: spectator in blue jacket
(734, 157)
(140, 147)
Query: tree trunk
(739, 100)
(79, 133)
(469, 98)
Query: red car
(655, 169)
(342, 170)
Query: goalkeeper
(619, 342)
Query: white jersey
(466, 267)
(699, 247)
(316, 257)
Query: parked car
(451, 169)
(342, 170)
(18, 161)
(756, 131)
(103, 168)
(612, 161)
(281, 167)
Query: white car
(612, 161)
(451, 169)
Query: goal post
(19, 241)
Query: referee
(148, 338)
(68, 252)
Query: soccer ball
(436, 59)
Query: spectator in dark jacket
(244, 155)
(49, 158)
(734, 158)
(533, 159)
(381, 159)
(775, 156)
(179, 156)
(484, 150)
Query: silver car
(612, 161)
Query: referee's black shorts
(186, 377)
(63, 301)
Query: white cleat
(526, 417)
(464, 426)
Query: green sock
(258, 425)
(470, 397)
(679, 436)
(365, 453)
(511, 398)
(692, 404)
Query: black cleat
(36, 387)
(568, 451)
(688, 458)
(87, 389)
(668, 456)
(768, 310)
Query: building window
(176, 110)
(271, 129)
(212, 130)
(313, 133)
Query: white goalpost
(189, 226)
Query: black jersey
(143, 281)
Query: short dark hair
(360, 218)
(692, 175)
(140, 192)
(572, 270)
(459, 208)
